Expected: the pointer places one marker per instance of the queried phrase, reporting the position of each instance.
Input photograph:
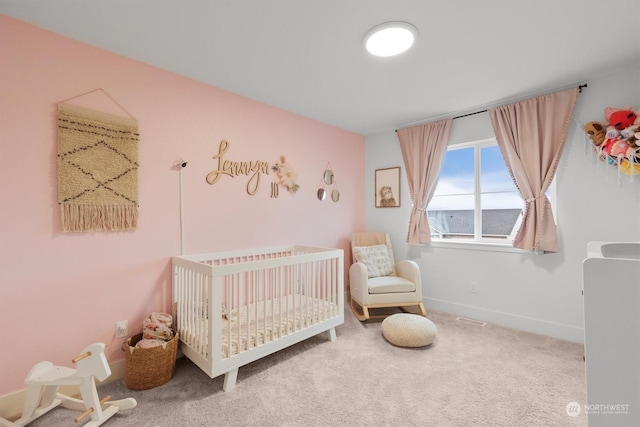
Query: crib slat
(262, 285)
(238, 340)
(281, 326)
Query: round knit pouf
(408, 330)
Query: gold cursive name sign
(227, 167)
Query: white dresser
(611, 277)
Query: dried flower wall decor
(285, 175)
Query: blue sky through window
(456, 183)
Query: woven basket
(149, 367)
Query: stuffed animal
(629, 132)
(608, 112)
(622, 119)
(612, 133)
(605, 151)
(630, 166)
(619, 148)
(595, 130)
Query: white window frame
(478, 242)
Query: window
(476, 199)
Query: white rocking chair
(400, 287)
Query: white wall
(538, 293)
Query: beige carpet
(470, 376)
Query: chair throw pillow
(375, 258)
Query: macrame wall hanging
(97, 169)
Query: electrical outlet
(122, 329)
(473, 288)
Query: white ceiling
(306, 56)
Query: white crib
(232, 308)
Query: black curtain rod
(484, 111)
(470, 114)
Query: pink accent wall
(62, 291)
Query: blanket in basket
(97, 170)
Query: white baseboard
(509, 320)
(11, 404)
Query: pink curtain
(423, 150)
(531, 135)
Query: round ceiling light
(390, 38)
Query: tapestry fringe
(78, 218)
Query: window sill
(478, 246)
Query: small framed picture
(387, 186)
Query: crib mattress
(254, 325)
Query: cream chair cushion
(375, 258)
(388, 284)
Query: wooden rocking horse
(44, 379)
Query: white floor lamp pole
(181, 164)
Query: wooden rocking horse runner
(44, 379)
